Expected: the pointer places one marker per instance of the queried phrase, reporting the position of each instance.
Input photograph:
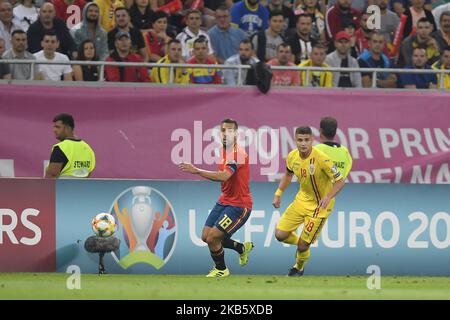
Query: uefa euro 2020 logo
(146, 225)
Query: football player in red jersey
(235, 203)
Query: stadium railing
(308, 70)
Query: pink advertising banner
(394, 137)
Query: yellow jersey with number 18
(316, 175)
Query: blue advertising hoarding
(403, 229)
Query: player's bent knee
(211, 238)
(281, 235)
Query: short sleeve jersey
(316, 175)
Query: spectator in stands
(311, 8)
(86, 52)
(439, 10)
(2, 46)
(442, 35)
(357, 4)
(180, 75)
(26, 13)
(53, 72)
(389, 21)
(284, 77)
(203, 76)
(341, 58)
(89, 28)
(246, 56)
(350, 29)
(322, 79)
(399, 6)
(70, 17)
(123, 53)
(48, 22)
(250, 16)
(362, 34)
(156, 39)
(19, 52)
(421, 38)
(418, 80)
(288, 14)
(340, 15)
(209, 11)
(123, 23)
(107, 10)
(414, 14)
(141, 15)
(224, 38)
(191, 33)
(443, 64)
(7, 23)
(266, 42)
(375, 58)
(5, 71)
(301, 42)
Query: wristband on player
(279, 192)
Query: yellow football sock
(292, 239)
(302, 258)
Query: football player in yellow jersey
(337, 152)
(320, 181)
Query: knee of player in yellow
(302, 258)
(291, 239)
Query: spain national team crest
(146, 225)
(312, 169)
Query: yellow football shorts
(295, 215)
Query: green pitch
(53, 286)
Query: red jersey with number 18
(236, 190)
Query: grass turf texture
(53, 286)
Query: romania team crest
(146, 225)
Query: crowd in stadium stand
(413, 34)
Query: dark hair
(158, 15)
(284, 45)
(302, 15)
(247, 41)
(201, 39)
(81, 55)
(275, 13)
(320, 45)
(423, 20)
(49, 33)
(375, 33)
(191, 11)
(350, 25)
(229, 120)
(17, 31)
(303, 130)
(173, 41)
(328, 126)
(121, 8)
(443, 14)
(446, 48)
(66, 119)
(223, 7)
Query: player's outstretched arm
(333, 192)
(284, 183)
(210, 175)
